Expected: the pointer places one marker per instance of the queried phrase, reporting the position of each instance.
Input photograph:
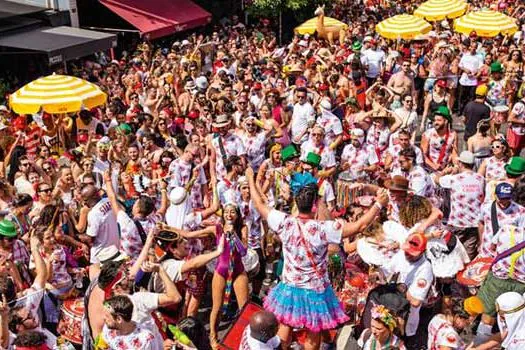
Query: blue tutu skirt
(305, 308)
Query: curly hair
(415, 209)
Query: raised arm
(351, 228)
(40, 264)
(262, 208)
(112, 197)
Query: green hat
(444, 112)
(516, 166)
(313, 159)
(125, 128)
(496, 67)
(289, 152)
(7, 228)
(356, 46)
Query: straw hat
(221, 121)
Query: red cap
(415, 244)
(441, 83)
(323, 87)
(257, 86)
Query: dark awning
(10, 9)
(60, 43)
(160, 17)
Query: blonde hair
(417, 208)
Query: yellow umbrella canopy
(437, 10)
(403, 27)
(486, 23)
(56, 94)
(310, 26)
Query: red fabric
(234, 335)
(160, 17)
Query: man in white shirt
(415, 271)
(102, 229)
(467, 191)
(470, 64)
(303, 117)
(375, 59)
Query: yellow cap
(481, 90)
(473, 306)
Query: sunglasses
(497, 146)
(45, 190)
(46, 169)
(409, 101)
(302, 96)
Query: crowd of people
(368, 186)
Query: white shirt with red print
(252, 219)
(180, 174)
(495, 169)
(232, 145)
(513, 266)
(305, 248)
(378, 139)
(514, 214)
(466, 197)
(442, 333)
(255, 147)
(332, 126)
(130, 241)
(139, 339)
(358, 158)
(436, 142)
(327, 155)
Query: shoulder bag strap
(309, 253)
(494, 218)
(221, 147)
(142, 233)
(443, 148)
(508, 252)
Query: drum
(70, 324)
(346, 190)
(475, 272)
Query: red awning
(160, 17)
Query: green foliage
(271, 8)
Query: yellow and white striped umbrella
(437, 10)
(403, 27)
(56, 94)
(310, 26)
(486, 23)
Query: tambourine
(475, 272)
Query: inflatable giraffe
(331, 32)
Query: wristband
(378, 205)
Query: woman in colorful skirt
(304, 298)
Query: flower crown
(382, 314)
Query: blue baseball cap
(504, 190)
